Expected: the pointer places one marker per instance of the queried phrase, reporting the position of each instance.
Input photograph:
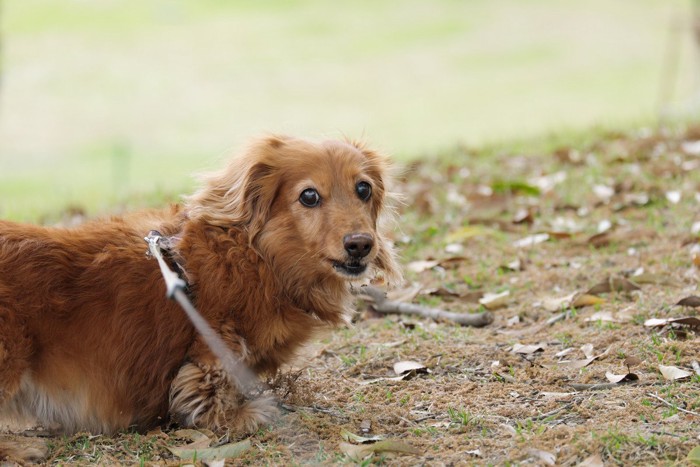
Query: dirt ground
(572, 249)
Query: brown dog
(268, 247)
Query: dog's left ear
(242, 193)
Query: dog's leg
(202, 395)
(15, 353)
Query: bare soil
(621, 217)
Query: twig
(673, 405)
(551, 413)
(598, 387)
(382, 305)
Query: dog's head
(312, 209)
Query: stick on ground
(383, 305)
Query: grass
(110, 103)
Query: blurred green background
(107, 103)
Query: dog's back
(82, 315)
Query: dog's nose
(358, 245)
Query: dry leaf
(604, 316)
(357, 439)
(613, 284)
(575, 364)
(613, 378)
(359, 452)
(420, 266)
(531, 240)
(694, 456)
(691, 321)
(592, 461)
(547, 458)
(587, 350)
(466, 232)
(564, 352)
(586, 300)
(691, 301)
(673, 197)
(404, 295)
(496, 300)
(225, 451)
(656, 279)
(632, 361)
(558, 396)
(672, 373)
(527, 349)
(599, 240)
(404, 367)
(574, 300)
(198, 438)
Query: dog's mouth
(351, 269)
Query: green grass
(105, 103)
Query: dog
(269, 247)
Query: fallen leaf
(523, 216)
(694, 456)
(613, 284)
(404, 367)
(632, 361)
(692, 148)
(586, 300)
(225, 451)
(691, 321)
(558, 396)
(575, 364)
(491, 301)
(613, 378)
(531, 240)
(691, 301)
(198, 438)
(587, 350)
(656, 279)
(604, 226)
(600, 239)
(366, 426)
(603, 192)
(547, 458)
(564, 352)
(604, 316)
(592, 461)
(515, 265)
(359, 452)
(673, 197)
(527, 349)
(672, 373)
(420, 266)
(467, 232)
(574, 300)
(404, 295)
(357, 439)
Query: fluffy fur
(88, 340)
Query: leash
(242, 376)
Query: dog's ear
(242, 193)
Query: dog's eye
(364, 190)
(310, 198)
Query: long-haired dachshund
(268, 247)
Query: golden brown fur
(88, 340)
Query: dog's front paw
(255, 413)
(202, 396)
